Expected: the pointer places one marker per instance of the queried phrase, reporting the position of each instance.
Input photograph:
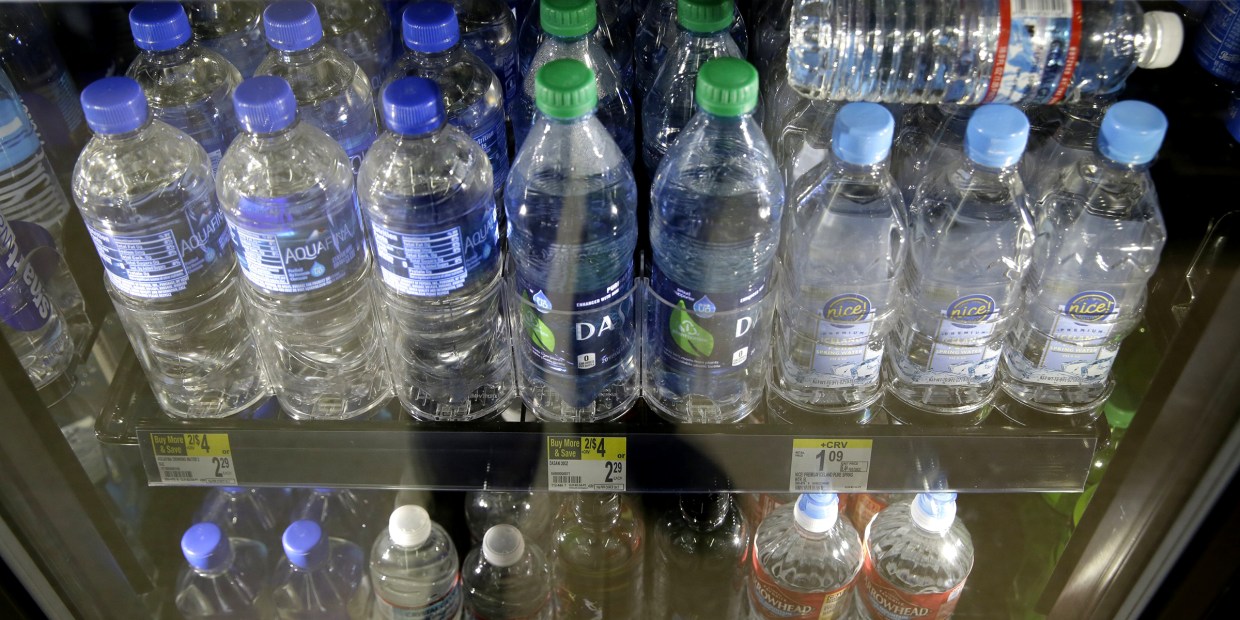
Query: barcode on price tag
(193, 457)
(830, 465)
(576, 463)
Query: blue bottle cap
(292, 25)
(862, 133)
(412, 106)
(996, 135)
(206, 547)
(1131, 132)
(114, 105)
(159, 26)
(430, 27)
(264, 104)
(305, 544)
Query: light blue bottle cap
(413, 106)
(862, 133)
(114, 105)
(159, 26)
(817, 512)
(292, 26)
(264, 104)
(935, 511)
(430, 27)
(305, 544)
(1131, 132)
(206, 547)
(996, 135)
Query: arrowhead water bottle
(612, 35)
(700, 551)
(333, 93)
(506, 578)
(320, 576)
(149, 203)
(657, 33)
(571, 203)
(930, 138)
(569, 25)
(225, 577)
(1009, 51)
(188, 86)
(489, 30)
(970, 242)
(669, 101)
(28, 188)
(473, 96)
(361, 30)
(427, 192)
(232, 28)
(413, 566)
(598, 558)
(1098, 244)
(30, 322)
(286, 189)
(714, 229)
(841, 261)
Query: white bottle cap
(934, 512)
(1165, 33)
(409, 526)
(503, 545)
(817, 512)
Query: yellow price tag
(207, 444)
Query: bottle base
(485, 401)
(1049, 416)
(901, 411)
(788, 411)
(610, 403)
(60, 386)
(332, 407)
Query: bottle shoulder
(305, 161)
(184, 78)
(577, 158)
(158, 158)
(325, 73)
(710, 157)
(448, 166)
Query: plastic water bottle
(489, 30)
(841, 262)
(149, 203)
(597, 559)
(714, 229)
(571, 202)
(473, 95)
(1075, 139)
(918, 556)
(333, 93)
(506, 578)
(699, 550)
(360, 29)
(345, 513)
(569, 25)
(805, 562)
(529, 511)
(1217, 46)
(669, 101)
(1098, 244)
(231, 28)
(321, 576)
(970, 241)
(29, 320)
(188, 86)
(242, 513)
(804, 140)
(657, 33)
(931, 138)
(413, 566)
(287, 192)
(427, 191)
(1010, 51)
(226, 577)
(28, 188)
(612, 34)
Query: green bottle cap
(565, 89)
(568, 18)
(704, 15)
(727, 87)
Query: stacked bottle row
(708, 556)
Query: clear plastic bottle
(320, 576)
(841, 261)
(714, 229)
(930, 138)
(188, 86)
(226, 577)
(918, 556)
(970, 243)
(333, 93)
(529, 511)
(1097, 245)
(427, 192)
(801, 139)
(506, 578)
(242, 513)
(571, 202)
(597, 559)
(612, 35)
(473, 95)
(29, 320)
(570, 25)
(233, 28)
(149, 202)
(344, 513)
(699, 553)
(1045, 53)
(805, 561)
(360, 29)
(657, 33)
(489, 30)
(286, 189)
(669, 102)
(413, 566)
(28, 188)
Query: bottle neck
(704, 512)
(304, 56)
(597, 510)
(280, 137)
(982, 174)
(578, 39)
(128, 135)
(859, 172)
(443, 58)
(174, 56)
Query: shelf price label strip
(193, 457)
(587, 463)
(830, 465)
